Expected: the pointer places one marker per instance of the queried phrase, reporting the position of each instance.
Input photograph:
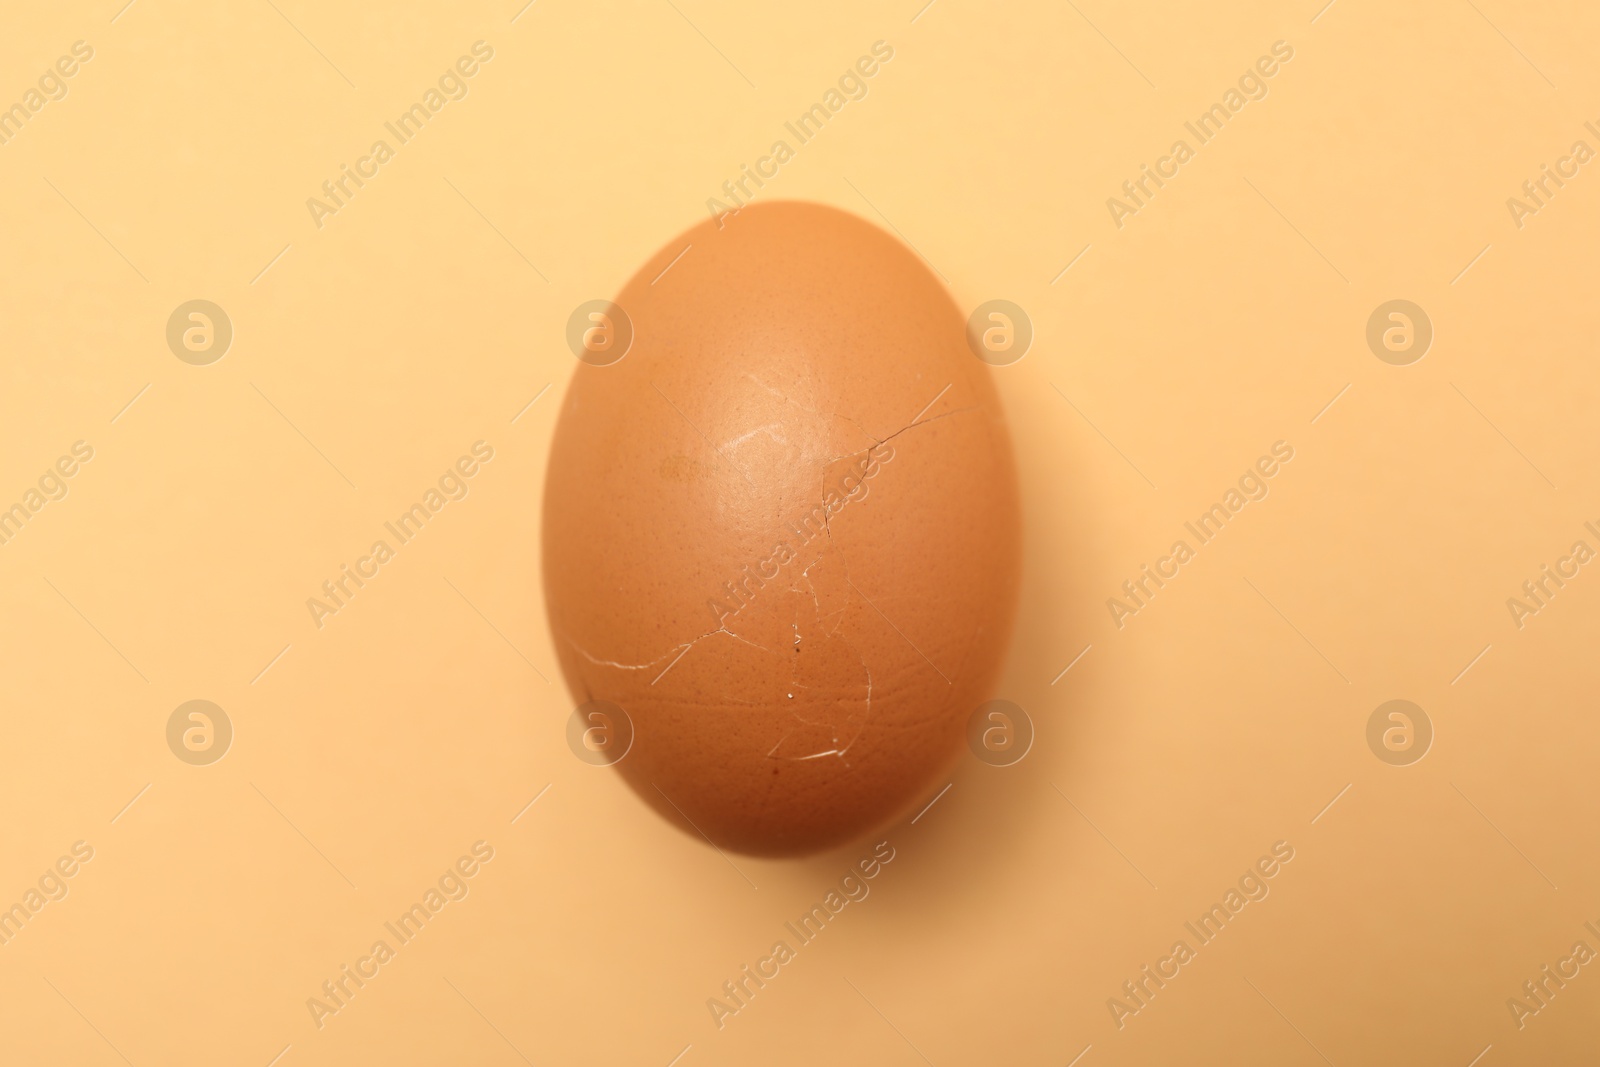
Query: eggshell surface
(781, 532)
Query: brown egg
(782, 532)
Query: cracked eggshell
(782, 532)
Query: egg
(781, 529)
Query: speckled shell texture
(782, 532)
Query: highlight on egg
(781, 529)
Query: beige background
(371, 753)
